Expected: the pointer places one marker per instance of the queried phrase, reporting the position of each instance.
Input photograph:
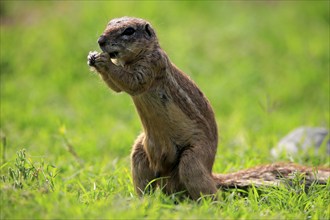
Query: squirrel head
(126, 39)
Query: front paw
(100, 61)
(91, 58)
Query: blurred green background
(264, 66)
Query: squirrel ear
(148, 30)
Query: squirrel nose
(102, 40)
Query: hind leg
(141, 172)
(195, 174)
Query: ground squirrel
(179, 139)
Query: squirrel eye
(128, 31)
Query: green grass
(263, 65)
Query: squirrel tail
(272, 175)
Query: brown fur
(180, 135)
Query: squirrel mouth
(113, 54)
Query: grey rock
(301, 139)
